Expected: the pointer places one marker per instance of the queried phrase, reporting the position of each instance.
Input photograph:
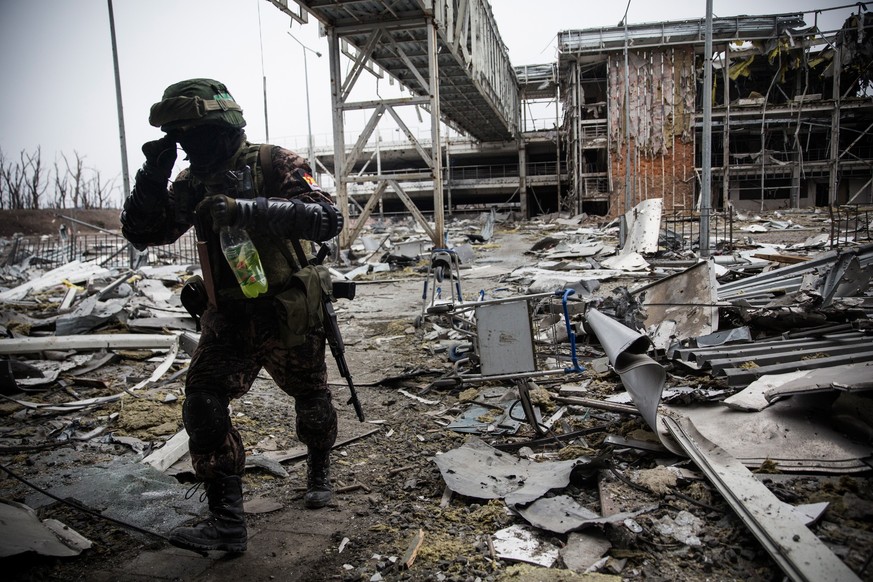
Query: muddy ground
(390, 488)
(47, 222)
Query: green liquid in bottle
(244, 261)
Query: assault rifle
(341, 290)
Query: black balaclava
(209, 147)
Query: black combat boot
(318, 490)
(225, 528)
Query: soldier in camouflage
(239, 335)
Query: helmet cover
(196, 102)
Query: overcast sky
(58, 88)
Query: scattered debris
(585, 409)
(21, 531)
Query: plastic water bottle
(244, 261)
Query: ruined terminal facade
(615, 119)
(791, 113)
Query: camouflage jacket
(174, 214)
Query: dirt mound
(37, 222)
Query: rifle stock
(206, 269)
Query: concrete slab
(164, 565)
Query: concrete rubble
(609, 402)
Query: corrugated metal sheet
(743, 363)
(759, 290)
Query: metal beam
(359, 63)
(425, 156)
(419, 217)
(405, 176)
(374, 199)
(438, 234)
(393, 24)
(461, 27)
(387, 102)
(856, 140)
(796, 550)
(833, 177)
(412, 68)
(377, 114)
(339, 146)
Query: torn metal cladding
(797, 551)
(770, 388)
(682, 304)
(789, 279)
(686, 31)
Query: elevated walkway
(478, 89)
(447, 53)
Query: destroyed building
(791, 112)
(791, 115)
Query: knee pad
(316, 421)
(206, 421)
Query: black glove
(160, 157)
(148, 197)
(222, 209)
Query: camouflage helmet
(196, 102)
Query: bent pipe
(626, 349)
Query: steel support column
(522, 174)
(833, 175)
(575, 138)
(560, 205)
(436, 142)
(339, 145)
(706, 195)
(726, 133)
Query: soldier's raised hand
(160, 157)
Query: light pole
(706, 187)
(628, 186)
(308, 114)
(125, 176)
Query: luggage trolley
(444, 264)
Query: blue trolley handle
(570, 333)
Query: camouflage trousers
(235, 343)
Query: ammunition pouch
(195, 298)
(300, 306)
(185, 201)
(343, 290)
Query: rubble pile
(539, 398)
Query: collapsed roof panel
(598, 40)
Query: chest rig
(250, 175)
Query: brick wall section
(670, 177)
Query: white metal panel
(505, 338)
